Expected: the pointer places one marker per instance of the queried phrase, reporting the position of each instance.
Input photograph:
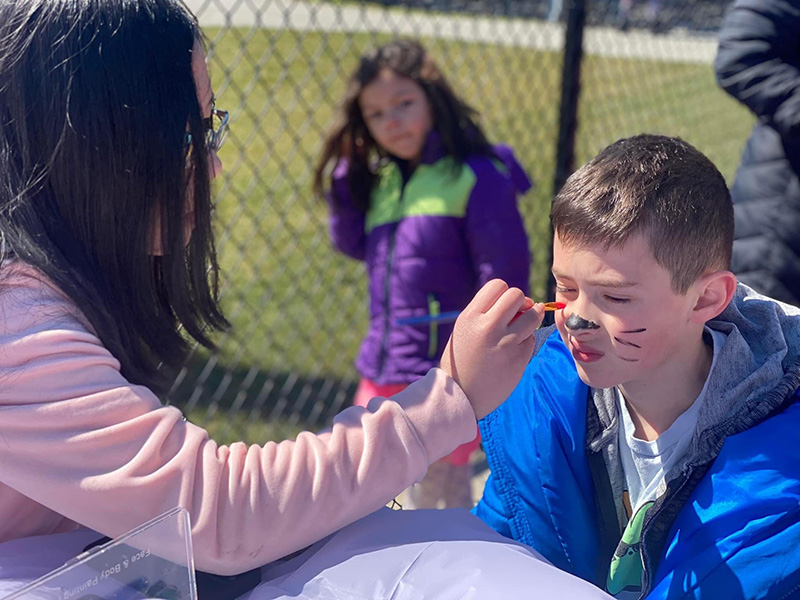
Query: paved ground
(299, 15)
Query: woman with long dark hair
(108, 142)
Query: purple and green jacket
(430, 240)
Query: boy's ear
(714, 292)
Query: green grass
(298, 306)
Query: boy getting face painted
(633, 451)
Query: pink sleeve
(76, 437)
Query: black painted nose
(575, 322)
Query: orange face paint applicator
(449, 317)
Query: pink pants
(368, 389)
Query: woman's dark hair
(96, 99)
(350, 139)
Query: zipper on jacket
(792, 593)
(387, 280)
(434, 309)
(647, 560)
(648, 566)
(386, 303)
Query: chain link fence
(298, 308)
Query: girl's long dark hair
(350, 139)
(96, 98)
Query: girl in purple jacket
(418, 193)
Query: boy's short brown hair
(661, 187)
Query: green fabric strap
(434, 309)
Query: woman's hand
(491, 344)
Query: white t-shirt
(645, 465)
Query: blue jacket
(726, 528)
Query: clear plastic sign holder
(151, 561)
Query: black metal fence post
(568, 111)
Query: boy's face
(623, 321)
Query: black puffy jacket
(758, 63)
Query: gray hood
(756, 372)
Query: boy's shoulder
(725, 532)
(550, 388)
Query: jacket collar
(433, 150)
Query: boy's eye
(374, 115)
(564, 290)
(616, 300)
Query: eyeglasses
(216, 130)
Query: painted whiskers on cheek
(631, 344)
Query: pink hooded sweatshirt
(79, 445)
